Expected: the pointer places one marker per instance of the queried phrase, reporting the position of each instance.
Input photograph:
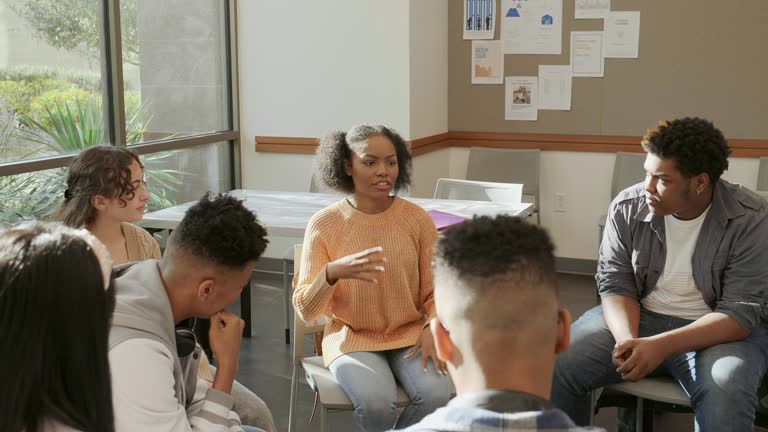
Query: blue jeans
(251, 429)
(722, 380)
(368, 378)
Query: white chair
(314, 184)
(627, 171)
(669, 392)
(328, 392)
(508, 166)
(762, 175)
(655, 389)
(454, 189)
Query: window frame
(114, 103)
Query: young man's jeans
(722, 381)
(369, 379)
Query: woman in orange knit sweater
(366, 265)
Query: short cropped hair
(220, 229)
(496, 286)
(695, 145)
(488, 246)
(334, 152)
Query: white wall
(308, 66)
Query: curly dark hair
(99, 170)
(488, 246)
(220, 229)
(334, 152)
(695, 144)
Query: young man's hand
(225, 337)
(636, 358)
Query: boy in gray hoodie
(208, 260)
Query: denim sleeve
(745, 278)
(615, 274)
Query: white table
(286, 214)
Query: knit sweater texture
(367, 316)
(139, 244)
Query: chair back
(627, 171)
(300, 328)
(314, 184)
(762, 175)
(507, 166)
(455, 189)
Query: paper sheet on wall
(587, 54)
(479, 19)
(487, 62)
(592, 9)
(621, 35)
(555, 87)
(532, 26)
(521, 98)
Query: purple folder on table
(443, 220)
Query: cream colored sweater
(140, 244)
(365, 316)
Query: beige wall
(708, 60)
(705, 59)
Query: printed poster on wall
(555, 87)
(479, 19)
(532, 26)
(621, 37)
(592, 9)
(587, 54)
(521, 94)
(487, 62)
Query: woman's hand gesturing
(361, 266)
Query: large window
(152, 74)
(175, 68)
(50, 77)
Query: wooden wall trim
(544, 142)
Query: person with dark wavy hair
(105, 193)
(683, 277)
(209, 258)
(366, 265)
(498, 327)
(54, 371)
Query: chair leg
(314, 407)
(639, 415)
(323, 418)
(592, 403)
(294, 398)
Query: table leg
(287, 302)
